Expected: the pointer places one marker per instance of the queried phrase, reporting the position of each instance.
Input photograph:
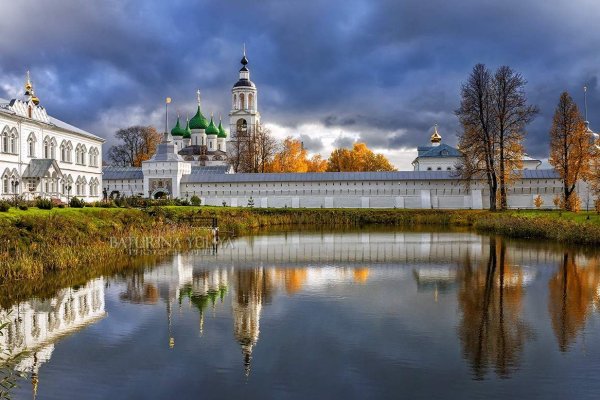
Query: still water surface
(324, 315)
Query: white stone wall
(436, 164)
(126, 187)
(72, 170)
(442, 194)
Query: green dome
(187, 132)
(198, 121)
(222, 133)
(177, 130)
(211, 129)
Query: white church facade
(42, 156)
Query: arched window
(52, 148)
(92, 157)
(251, 101)
(242, 126)
(83, 152)
(46, 148)
(31, 145)
(5, 140)
(242, 101)
(235, 105)
(63, 151)
(14, 147)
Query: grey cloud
(387, 70)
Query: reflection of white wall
(35, 323)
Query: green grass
(37, 242)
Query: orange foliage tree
(570, 151)
(360, 158)
(292, 157)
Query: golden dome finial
(436, 137)
(28, 85)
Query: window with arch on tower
(242, 101)
(251, 101)
(235, 106)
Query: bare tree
(511, 114)
(138, 144)
(250, 150)
(478, 141)
(493, 113)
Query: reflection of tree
(361, 274)
(138, 292)
(571, 292)
(254, 287)
(293, 278)
(491, 330)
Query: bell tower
(244, 116)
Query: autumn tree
(292, 157)
(358, 159)
(316, 164)
(493, 113)
(138, 143)
(570, 150)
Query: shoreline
(34, 243)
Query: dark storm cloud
(312, 144)
(387, 70)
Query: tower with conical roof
(244, 116)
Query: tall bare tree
(511, 114)
(493, 113)
(252, 149)
(478, 140)
(138, 143)
(570, 149)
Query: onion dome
(211, 129)
(187, 132)
(198, 121)
(222, 133)
(177, 130)
(436, 137)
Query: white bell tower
(244, 116)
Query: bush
(182, 202)
(61, 206)
(538, 201)
(195, 200)
(44, 204)
(76, 203)
(4, 206)
(23, 207)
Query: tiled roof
(38, 167)
(346, 176)
(124, 173)
(441, 151)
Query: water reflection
(492, 331)
(572, 291)
(377, 302)
(35, 325)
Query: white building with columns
(42, 156)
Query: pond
(308, 315)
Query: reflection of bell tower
(252, 287)
(244, 115)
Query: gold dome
(435, 137)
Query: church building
(192, 161)
(42, 156)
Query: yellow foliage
(359, 159)
(538, 201)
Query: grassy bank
(36, 242)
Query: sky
(330, 72)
